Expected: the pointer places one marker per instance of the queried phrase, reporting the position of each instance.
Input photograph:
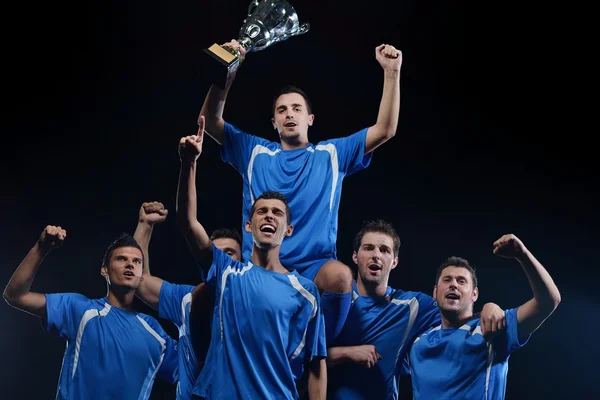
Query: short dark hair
(292, 89)
(456, 262)
(379, 226)
(269, 195)
(125, 240)
(226, 233)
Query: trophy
(268, 22)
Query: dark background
(97, 95)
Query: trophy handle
(252, 6)
(301, 30)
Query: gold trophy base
(223, 61)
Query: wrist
(42, 248)
(144, 224)
(391, 73)
(187, 163)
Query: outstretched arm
(214, 103)
(194, 233)
(17, 293)
(384, 129)
(546, 296)
(150, 214)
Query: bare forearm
(212, 110)
(338, 355)
(542, 285)
(194, 233)
(389, 109)
(317, 380)
(20, 282)
(142, 235)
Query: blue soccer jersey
(174, 305)
(266, 325)
(389, 323)
(458, 363)
(111, 353)
(310, 178)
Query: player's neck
(268, 259)
(454, 320)
(371, 290)
(295, 143)
(121, 298)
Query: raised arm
(150, 214)
(384, 129)
(194, 233)
(546, 296)
(214, 103)
(17, 293)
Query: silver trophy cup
(268, 22)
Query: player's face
(454, 291)
(268, 224)
(291, 117)
(375, 258)
(124, 267)
(229, 246)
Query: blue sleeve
(220, 262)
(64, 312)
(170, 303)
(316, 346)
(351, 152)
(428, 316)
(169, 370)
(505, 344)
(238, 146)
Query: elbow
(551, 303)
(11, 298)
(556, 299)
(390, 133)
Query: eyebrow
(291, 105)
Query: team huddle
(277, 315)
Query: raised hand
(509, 246)
(388, 57)
(52, 237)
(153, 212)
(190, 147)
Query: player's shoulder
(74, 299)
(308, 284)
(151, 321)
(421, 297)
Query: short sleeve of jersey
(508, 342)
(220, 262)
(316, 346)
(169, 368)
(238, 146)
(170, 299)
(64, 312)
(429, 315)
(351, 152)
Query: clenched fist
(153, 212)
(52, 237)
